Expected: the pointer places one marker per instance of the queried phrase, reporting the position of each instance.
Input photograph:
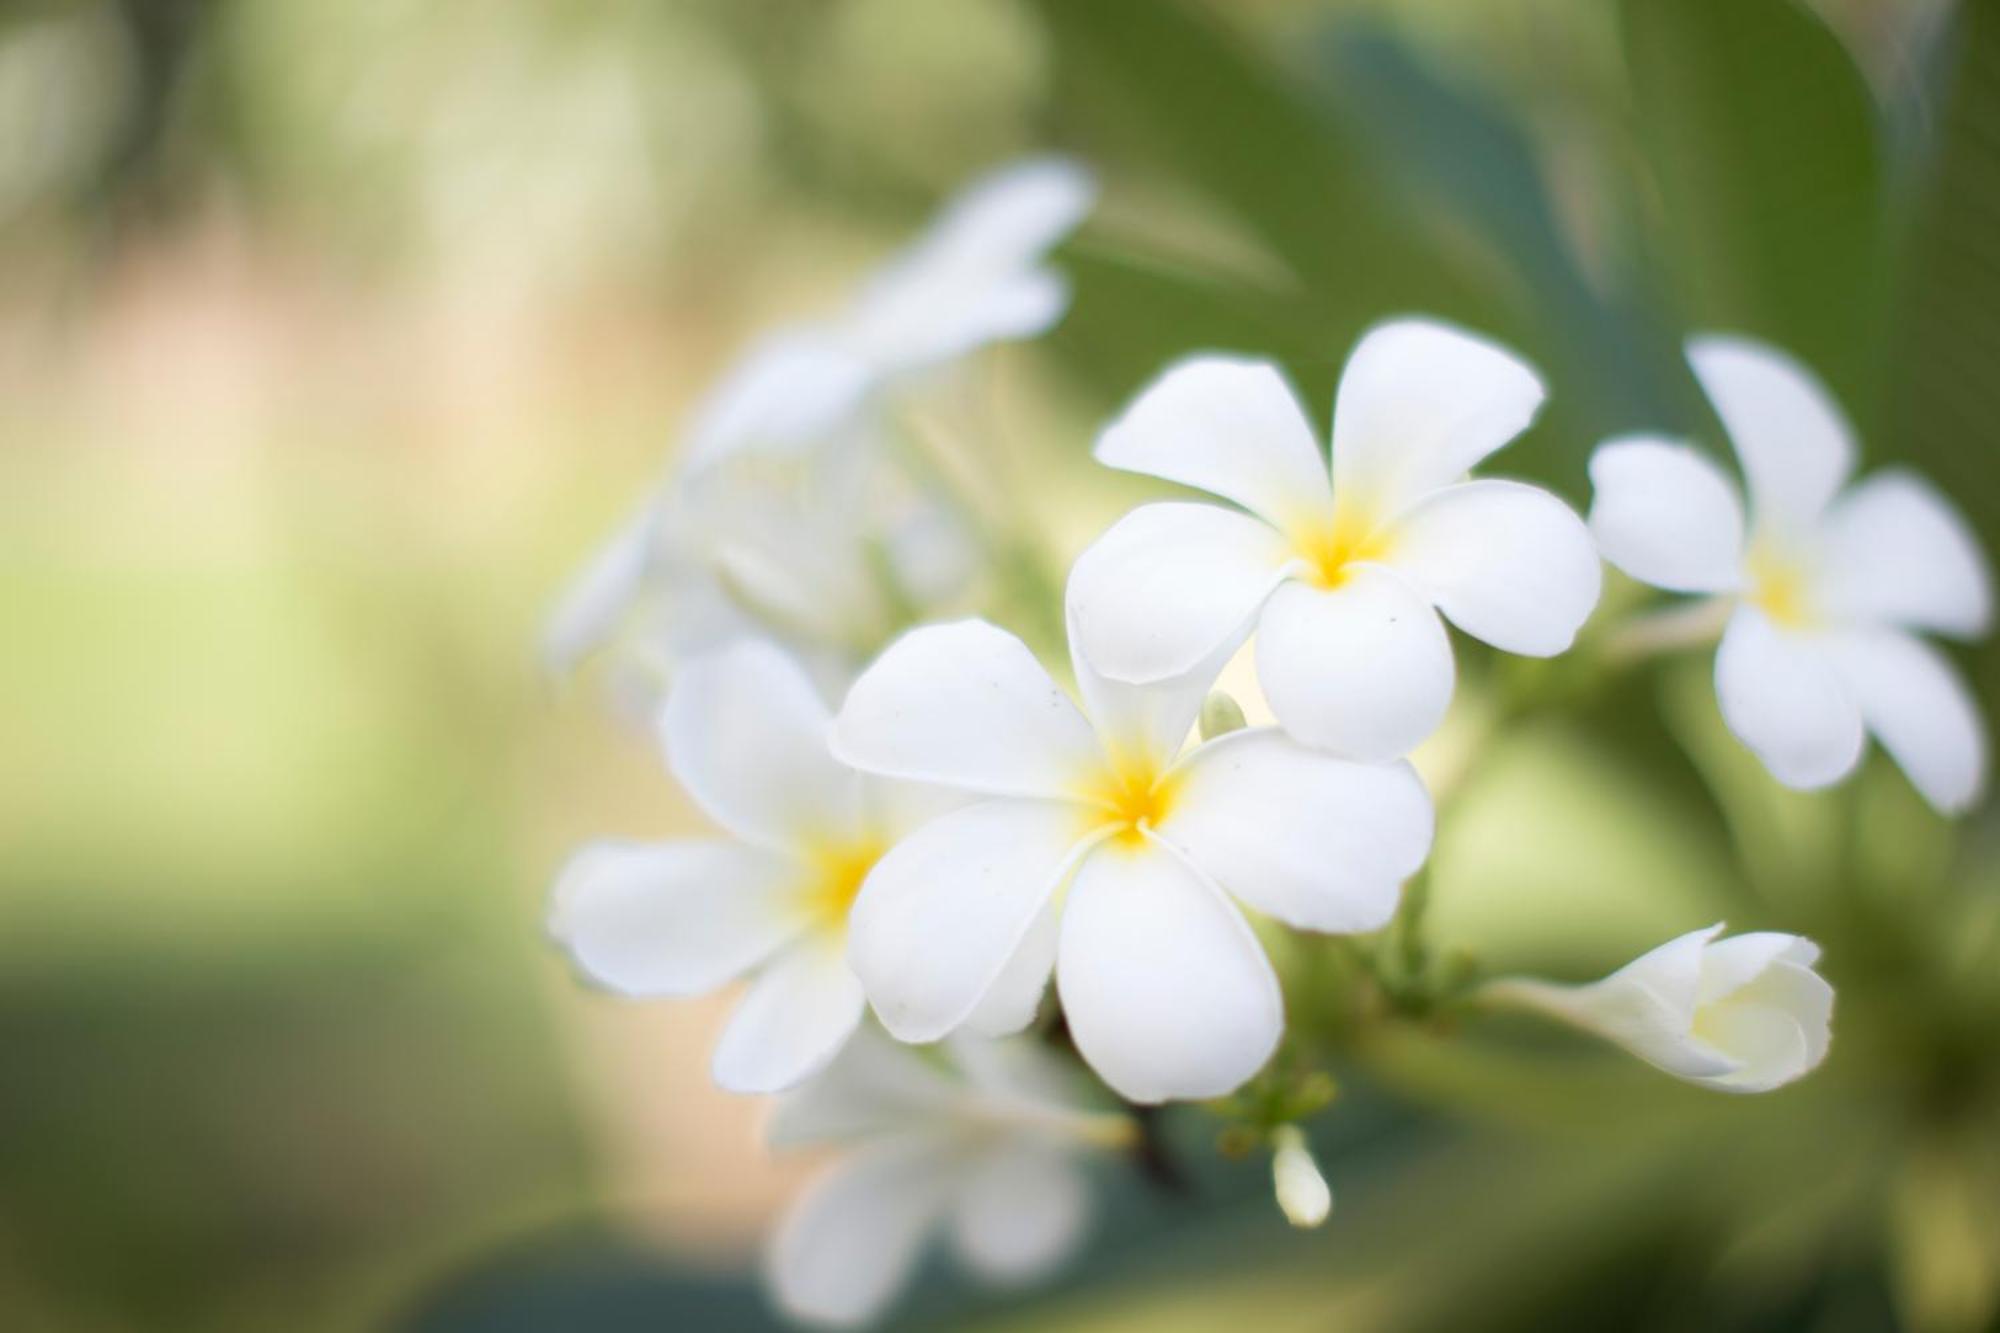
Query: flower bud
(1302, 1191)
(1747, 1014)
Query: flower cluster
(925, 823)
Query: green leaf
(1763, 144)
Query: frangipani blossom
(1746, 1014)
(1829, 586)
(977, 276)
(985, 1146)
(1342, 579)
(1096, 847)
(745, 733)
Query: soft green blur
(333, 333)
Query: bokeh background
(333, 333)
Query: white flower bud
(1747, 1014)
(1302, 1191)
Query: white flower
(985, 1146)
(745, 733)
(1339, 579)
(977, 276)
(1746, 1014)
(1098, 851)
(1828, 586)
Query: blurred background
(334, 334)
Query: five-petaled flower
(1746, 1014)
(1340, 579)
(1828, 587)
(985, 1143)
(1095, 847)
(745, 733)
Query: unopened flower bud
(1302, 1191)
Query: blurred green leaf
(1764, 148)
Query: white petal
(1020, 1211)
(973, 277)
(746, 734)
(1419, 404)
(1666, 515)
(849, 1242)
(674, 918)
(1230, 427)
(965, 705)
(800, 1011)
(943, 913)
(1727, 966)
(1777, 1028)
(1167, 992)
(1317, 842)
(1146, 725)
(792, 389)
(1508, 563)
(600, 595)
(1169, 584)
(1919, 708)
(874, 1086)
(1795, 446)
(1011, 1002)
(1782, 696)
(1363, 670)
(1896, 551)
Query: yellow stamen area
(1333, 547)
(1779, 588)
(837, 870)
(1127, 797)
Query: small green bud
(1220, 715)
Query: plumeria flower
(977, 276)
(1097, 848)
(1342, 579)
(823, 553)
(1746, 1014)
(745, 733)
(985, 1144)
(1826, 587)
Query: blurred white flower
(1340, 578)
(1098, 850)
(1746, 1014)
(745, 733)
(821, 553)
(977, 276)
(1828, 587)
(984, 1143)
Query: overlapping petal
(1794, 444)
(947, 909)
(1168, 584)
(798, 1013)
(1781, 694)
(852, 1239)
(1667, 515)
(1896, 552)
(1167, 992)
(1507, 563)
(1317, 842)
(745, 732)
(965, 705)
(1228, 426)
(1419, 404)
(1919, 707)
(674, 918)
(1363, 670)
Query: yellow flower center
(837, 870)
(1128, 796)
(1780, 589)
(1332, 547)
